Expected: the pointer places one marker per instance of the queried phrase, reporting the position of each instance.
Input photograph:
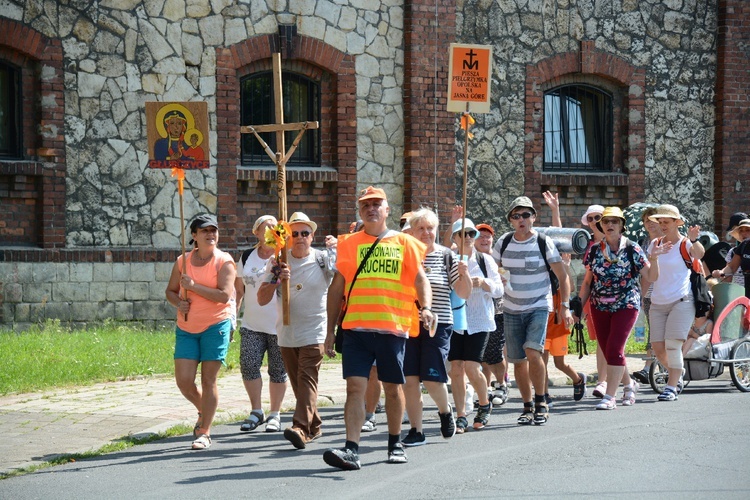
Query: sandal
(202, 443)
(253, 421)
(541, 414)
(197, 426)
(273, 423)
(461, 424)
(600, 390)
(527, 417)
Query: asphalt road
(696, 447)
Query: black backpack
(629, 250)
(541, 240)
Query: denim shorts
(209, 345)
(425, 356)
(526, 330)
(360, 349)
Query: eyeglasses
(524, 215)
(594, 218)
(304, 234)
(610, 221)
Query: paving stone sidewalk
(38, 427)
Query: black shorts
(465, 347)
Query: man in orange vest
(376, 321)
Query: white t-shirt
(255, 317)
(308, 293)
(674, 276)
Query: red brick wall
(324, 195)
(39, 179)
(429, 142)
(732, 159)
(577, 192)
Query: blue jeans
(526, 330)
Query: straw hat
(669, 211)
(736, 231)
(301, 218)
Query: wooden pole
(281, 172)
(182, 234)
(465, 116)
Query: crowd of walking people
(408, 315)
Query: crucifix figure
(280, 158)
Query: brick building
(604, 102)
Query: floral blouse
(615, 286)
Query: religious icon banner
(177, 134)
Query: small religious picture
(177, 134)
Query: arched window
(301, 103)
(577, 129)
(10, 115)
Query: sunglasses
(470, 234)
(611, 221)
(524, 215)
(594, 218)
(304, 234)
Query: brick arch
(42, 169)
(320, 191)
(590, 65)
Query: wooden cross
(280, 158)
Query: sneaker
(369, 426)
(541, 414)
(668, 395)
(499, 395)
(447, 424)
(579, 389)
(397, 454)
(628, 394)
(600, 390)
(461, 424)
(607, 403)
(380, 408)
(483, 416)
(641, 376)
(414, 438)
(344, 458)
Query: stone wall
(84, 291)
(674, 41)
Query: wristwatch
(565, 304)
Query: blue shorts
(360, 349)
(209, 345)
(425, 356)
(465, 347)
(526, 330)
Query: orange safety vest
(384, 294)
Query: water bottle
(640, 334)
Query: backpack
(318, 257)
(448, 259)
(701, 296)
(245, 255)
(541, 240)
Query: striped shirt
(441, 283)
(529, 279)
